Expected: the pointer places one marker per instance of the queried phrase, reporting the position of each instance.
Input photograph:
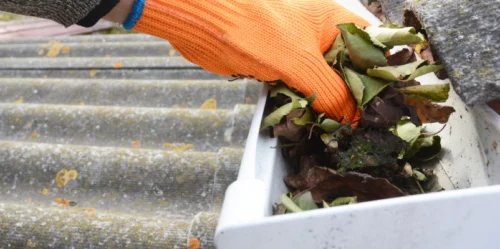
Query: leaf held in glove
(391, 37)
(405, 72)
(362, 51)
(435, 92)
(364, 88)
(402, 57)
(329, 125)
(275, 117)
(431, 113)
(337, 47)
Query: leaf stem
(435, 133)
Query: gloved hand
(268, 40)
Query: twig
(419, 186)
(433, 134)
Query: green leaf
(419, 176)
(305, 201)
(364, 88)
(394, 36)
(307, 118)
(283, 90)
(331, 143)
(362, 51)
(356, 85)
(311, 98)
(325, 205)
(427, 153)
(408, 131)
(275, 117)
(406, 72)
(435, 93)
(331, 55)
(289, 204)
(344, 201)
(329, 125)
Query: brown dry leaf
(136, 144)
(118, 65)
(289, 129)
(108, 56)
(34, 134)
(171, 52)
(309, 174)
(247, 100)
(29, 199)
(402, 57)
(63, 202)
(45, 191)
(41, 52)
(431, 113)
(20, 100)
(209, 104)
(363, 186)
(193, 243)
(387, 109)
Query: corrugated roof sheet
(124, 112)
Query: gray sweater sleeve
(65, 12)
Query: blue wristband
(134, 15)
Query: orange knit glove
(269, 40)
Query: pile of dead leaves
(382, 158)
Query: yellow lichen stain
(66, 50)
(495, 145)
(31, 244)
(136, 144)
(163, 203)
(209, 104)
(41, 52)
(82, 103)
(117, 65)
(34, 134)
(90, 210)
(108, 56)
(63, 202)
(218, 199)
(45, 191)
(92, 72)
(54, 49)
(457, 75)
(485, 72)
(180, 179)
(45, 76)
(184, 148)
(17, 121)
(194, 243)
(20, 100)
(64, 176)
(171, 52)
